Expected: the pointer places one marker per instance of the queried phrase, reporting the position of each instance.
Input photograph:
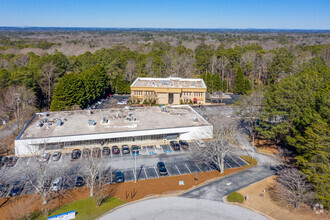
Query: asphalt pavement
(180, 208)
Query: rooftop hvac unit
(39, 123)
(91, 123)
(59, 122)
(105, 120)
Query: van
(200, 143)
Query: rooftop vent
(195, 119)
(105, 120)
(39, 124)
(91, 123)
(59, 122)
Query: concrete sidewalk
(166, 208)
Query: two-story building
(172, 90)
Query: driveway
(180, 208)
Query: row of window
(196, 94)
(104, 141)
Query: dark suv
(175, 145)
(184, 144)
(75, 154)
(80, 181)
(119, 177)
(161, 168)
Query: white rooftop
(172, 82)
(81, 122)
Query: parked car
(184, 144)
(96, 152)
(175, 145)
(2, 161)
(16, 189)
(80, 181)
(44, 157)
(125, 149)
(75, 154)
(119, 177)
(115, 150)
(161, 168)
(122, 102)
(86, 152)
(3, 189)
(106, 151)
(200, 143)
(56, 156)
(11, 161)
(135, 150)
(57, 184)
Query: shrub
(249, 160)
(235, 197)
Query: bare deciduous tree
(18, 102)
(40, 176)
(93, 170)
(293, 187)
(224, 133)
(249, 108)
(48, 75)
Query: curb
(244, 206)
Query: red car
(115, 150)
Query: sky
(241, 14)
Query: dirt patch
(265, 146)
(267, 203)
(128, 191)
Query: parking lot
(178, 162)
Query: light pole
(135, 164)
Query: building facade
(172, 90)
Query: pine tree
(239, 87)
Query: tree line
(237, 69)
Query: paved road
(180, 208)
(217, 190)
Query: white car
(44, 157)
(200, 143)
(122, 102)
(57, 184)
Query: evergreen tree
(239, 87)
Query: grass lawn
(249, 160)
(87, 209)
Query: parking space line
(208, 166)
(234, 161)
(146, 149)
(156, 172)
(134, 175)
(145, 172)
(28, 161)
(121, 152)
(187, 168)
(111, 152)
(198, 167)
(162, 150)
(177, 169)
(243, 160)
(228, 165)
(168, 173)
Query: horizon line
(169, 28)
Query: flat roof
(78, 122)
(171, 82)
